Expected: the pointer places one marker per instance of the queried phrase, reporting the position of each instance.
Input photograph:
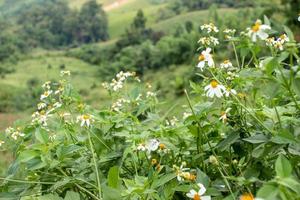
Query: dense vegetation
(238, 140)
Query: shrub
(237, 136)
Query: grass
(121, 18)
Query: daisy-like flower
(85, 120)
(141, 147)
(150, 94)
(180, 171)
(152, 145)
(1, 143)
(284, 38)
(47, 85)
(229, 91)
(17, 133)
(248, 196)
(214, 89)
(205, 57)
(207, 41)
(57, 105)
(258, 30)
(193, 194)
(46, 94)
(41, 105)
(226, 64)
(229, 33)
(299, 17)
(224, 115)
(209, 28)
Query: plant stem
(95, 165)
(236, 56)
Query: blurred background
(96, 39)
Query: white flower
(226, 64)
(229, 31)
(193, 194)
(207, 41)
(258, 30)
(141, 147)
(299, 17)
(284, 38)
(85, 120)
(224, 115)
(172, 122)
(205, 57)
(186, 115)
(65, 73)
(152, 145)
(17, 133)
(229, 91)
(150, 94)
(41, 105)
(1, 143)
(46, 85)
(214, 89)
(181, 171)
(46, 94)
(57, 105)
(209, 28)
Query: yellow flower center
(214, 84)
(256, 27)
(247, 196)
(201, 57)
(86, 117)
(153, 161)
(46, 94)
(162, 146)
(226, 61)
(197, 197)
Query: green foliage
(237, 136)
(54, 24)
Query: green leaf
(228, 141)
(113, 177)
(284, 137)
(283, 167)
(256, 139)
(289, 33)
(27, 155)
(163, 180)
(268, 192)
(296, 86)
(50, 197)
(41, 135)
(111, 193)
(291, 183)
(270, 64)
(72, 196)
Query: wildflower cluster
(232, 145)
(118, 82)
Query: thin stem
(29, 182)
(289, 89)
(95, 165)
(198, 130)
(236, 56)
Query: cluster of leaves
(240, 144)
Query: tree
(93, 23)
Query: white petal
(82, 123)
(205, 198)
(202, 189)
(201, 65)
(262, 35)
(265, 27)
(191, 194)
(207, 87)
(210, 62)
(254, 37)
